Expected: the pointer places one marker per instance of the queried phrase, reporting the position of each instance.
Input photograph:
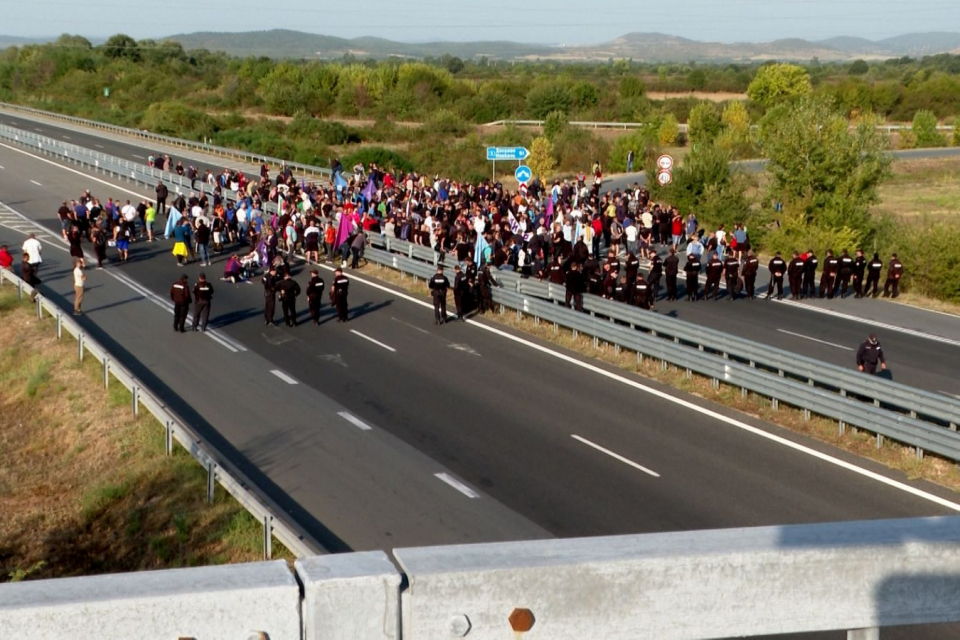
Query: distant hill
(650, 47)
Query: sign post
(664, 170)
(517, 154)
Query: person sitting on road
(233, 270)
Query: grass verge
(892, 454)
(85, 487)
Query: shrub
(576, 149)
(924, 129)
(554, 124)
(704, 123)
(176, 119)
(546, 98)
(541, 159)
(381, 157)
(669, 131)
(446, 123)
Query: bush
(446, 123)
(632, 87)
(794, 233)
(541, 158)
(554, 124)
(305, 128)
(704, 123)
(176, 119)
(546, 98)
(381, 157)
(641, 141)
(576, 149)
(956, 132)
(924, 130)
(669, 131)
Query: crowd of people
(620, 245)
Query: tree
(632, 87)
(830, 171)
(925, 134)
(956, 132)
(554, 124)
(704, 124)
(541, 160)
(775, 83)
(122, 46)
(859, 68)
(697, 79)
(544, 98)
(453, 64)
(669, 130)
(736, 138)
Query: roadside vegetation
(85, 488)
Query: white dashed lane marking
(456, 484)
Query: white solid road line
(2, 167)
(98, 146)
(616, 456)
(66, 137)
(952, 395)
(36, 183)
(873, 323)
(376, 342)
(800, 335)
(733, 422)
(283, 376)
(136, 156)
(456, 484)
(354, 420)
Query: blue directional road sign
(507, 153)
(523, 174)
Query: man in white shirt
(32, 249)
(78, 279)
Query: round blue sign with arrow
(523, 173)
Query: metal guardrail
(226, 152)
(683, 128)
(177, 430)
(812, 399)
(917, 403)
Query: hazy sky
(553, 21)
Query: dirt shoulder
(85, 487)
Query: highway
(527, 446)
(923, 347)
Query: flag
(369, 190)
(514, 225)
(173, 218)
(340, 182)
(343, 229)
(549, 214)
(479, 249)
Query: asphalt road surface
(923, 348)
(531, 446)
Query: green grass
(98, 498)
(39, 377)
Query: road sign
(507, 153)
(665, 162)
(523, 174)
(664, 178)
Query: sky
(536, 21)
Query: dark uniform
(750, 266)
(692, 269)
(653, 278)
(795, 274)
(809, 286)
(641, 294)
(338, 295)
(486, 282)
(874, 267)
(621, 290)
(315, 296)
(289, 290)
(460, 288)
(202, 297)
(830, 268)
(180, 294)
(859, 269)
(870, 354)
(270, 281)
(731, 269)
(576, 285)
(671, 267)
(777, 268)
(555, 273)
(842, 282)
(894, 272)
(631, 266)
(438, 291)
(595, 283)
(714, 271)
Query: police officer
(692, 270)
(869, 354)
(438, 291)
(671, 267)
(859, 268)
(653, 278)
(315, 295)
(621, 291)
(576, 285)
(202, 297)
(631, 266)
(714, 271)
(751, 264)
(459, 290)
(809, 286)
(830, 268)
(555, 273)
(795, 274)
(471, 271)
(842, 282)
(485, 282)
(894, 271)
(777, 267)
(180, 294)
(289, 290)
(338, 294)
(874, 267)
(642, 294)
(731, 269)
(270, 282)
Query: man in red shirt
(6, 260)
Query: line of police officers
(470, 286)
